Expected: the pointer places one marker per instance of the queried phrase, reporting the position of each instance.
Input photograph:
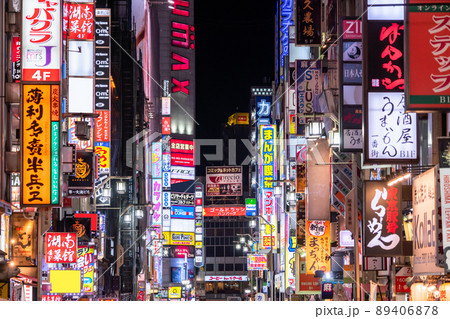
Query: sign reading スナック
(383, 220)
(61, 248)
(317, 246)
(267, 174)
(308, 24)
(41, 40)
(425, 226)
(428, 79)
(40, 182)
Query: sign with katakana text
(224, 181)
(308, 25)
(40, 182)
(425, 224)
(267, 200)
(226, 278)
(61, 248)
(224, 211)
(318, 246)
(86, 261)
(428, 64)
(383, 219)
(41, 40)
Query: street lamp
(121, 187)
(106, 192)
(139, 213)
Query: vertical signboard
(382, 227)
(309, 86)
(16, 69)
(86, 261)
(41, 40)
(425, 224)
(157, 202)
(81, 184)
(268, 171)
(350, 57)
(318, 247)
(318, 179)
(199, 250)
(390, 132)
(156, 160)
(40, 146)
(308, 23)
(444, 174)
(428, 80)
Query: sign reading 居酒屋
(428, 79)
(382, 227)
(40, 145)
(41, 40)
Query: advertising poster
(318, 248)
(224, 181)
(382, 227)
(23, 235)
(425, 224)
(256, 262)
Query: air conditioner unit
(82, 130)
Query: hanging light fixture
(242, 240)
(121, 187)
(334, 138)
(127, 218)
(139, 213)
(314, 129)
(238, 246)
(245, 249)
(252, 223)
(106, 192)
(277, 190)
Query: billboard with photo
(224, 181)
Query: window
(219, 232)
(209, 232)
(209, 267)
(209, 251)
(229, 267)
(220, 251)
(221, 267)
(229, 251)
(229, 232)
(238, 267)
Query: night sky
(234, 51)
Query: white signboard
(182, 172)
(226, 278)
(392, 133)
(81, 103)
(41, 40)
(444, 174)
(425, 224)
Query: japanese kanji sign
(425, 224)
(383, 221)
(61, 248)
(257, 262)
(309, 86)
(40, 145)
(428, 41)
(317, 246)
(308, 24)
(41, 40)
(268, 172)
(391, 133)
(80, 21)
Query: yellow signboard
(174, 292)
(178, 238)
(40, 145)
(65, 281)
(318, 247)
(238, 119)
